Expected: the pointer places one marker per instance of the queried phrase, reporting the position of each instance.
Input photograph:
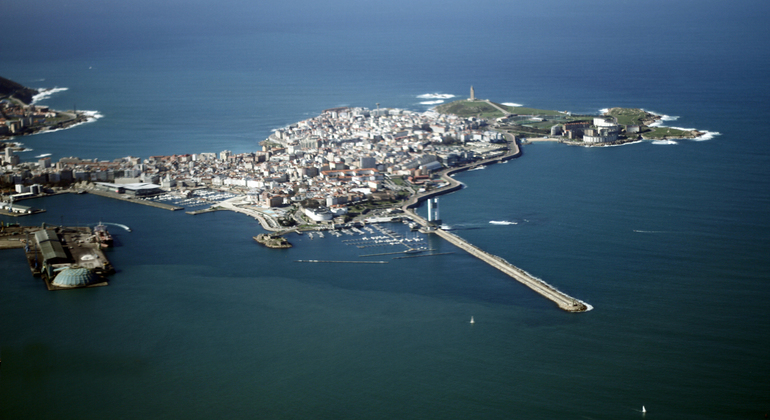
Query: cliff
(9, 88)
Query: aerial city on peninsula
(346, 165)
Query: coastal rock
(272, 241)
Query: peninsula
(613, 126)
(342, 168)
(20, 117)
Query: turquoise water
(667, 242)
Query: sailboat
(644, 410)
(472, 321)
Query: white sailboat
(644, 410)
(472, 321)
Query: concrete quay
(159, 205)
(561, 299)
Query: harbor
(63, 257)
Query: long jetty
(562, 300)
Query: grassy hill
(632, 116)
(485, 109)
(465, 109)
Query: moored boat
(103, 236)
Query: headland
(20, 117)
(343, 168)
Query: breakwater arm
(561, 299)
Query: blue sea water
(668, 243)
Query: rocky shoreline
(272, 241)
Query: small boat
(644, 410)
(103, 236)
(473, 322)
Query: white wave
(91, 116)
(708, 136)
(46, 93)
(513, 104)
(436, 96)
(649, 231)
(604, 111)
(43, 155)
(663, 142)
(440, 101)
(502, 222)
(618, 145)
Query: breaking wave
(46, 93)
(664, 142)
(436, 96)
(440, 101)
(91, 116)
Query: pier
(560, 298)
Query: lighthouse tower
(473, 94)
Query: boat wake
(649, 231)
(502, 222)
(128, 229)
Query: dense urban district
(340, 164)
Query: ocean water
(668, 242)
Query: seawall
(561, 299)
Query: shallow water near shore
(668, 244)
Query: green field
(468, 109)
(631, 116)
(666, 132)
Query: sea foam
(502, 222)
(91, 116)
(436, 96)
(46, 93)
(440, 101)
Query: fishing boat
(103, 236)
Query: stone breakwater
(561, 299)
